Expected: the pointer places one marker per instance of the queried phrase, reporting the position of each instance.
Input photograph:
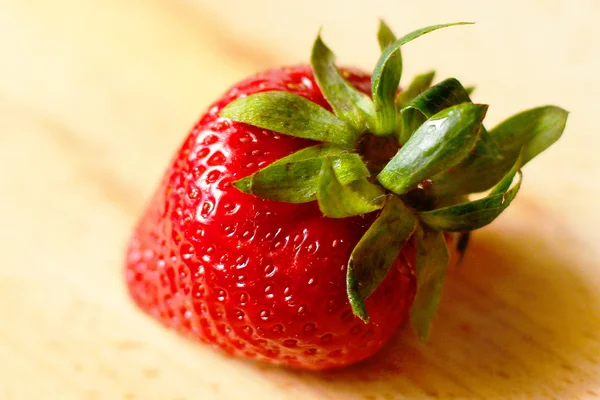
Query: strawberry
(308, 214)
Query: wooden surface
(95, 97)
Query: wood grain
(95, 97)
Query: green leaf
(384, 96)
(472, 175)
(292, 115)
(475, 214)
(441, 142)
(486, 147)
(447, 93)
(294, 182)
(376, 251)
(419, 84)
(385, 119)
(470, 89)
(349, 168)
(386, 78)
(385, 36)
(529, 133)
(319, 150)
(410, 120)
(432, 263)
(433, 100)
(293, 179)
(350, 105)
(337, 200)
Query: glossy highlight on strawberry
(312, 211)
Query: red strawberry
(310, 261)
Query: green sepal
(419, 84)
(470, 90)
(349, 167)
(384, 93)
(486, 146)
(386, 79)
(475, 214)
(447, 93)
(439, 143)
(292, 115)
(529, 132)
(432, 262)
(357, 197)
(385, 36)
(293, 179)
(349, 105)
(376, 251)
(431, 101)
(410, 120)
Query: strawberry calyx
(413, 156)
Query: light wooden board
(95, 97)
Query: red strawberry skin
(258, 279)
